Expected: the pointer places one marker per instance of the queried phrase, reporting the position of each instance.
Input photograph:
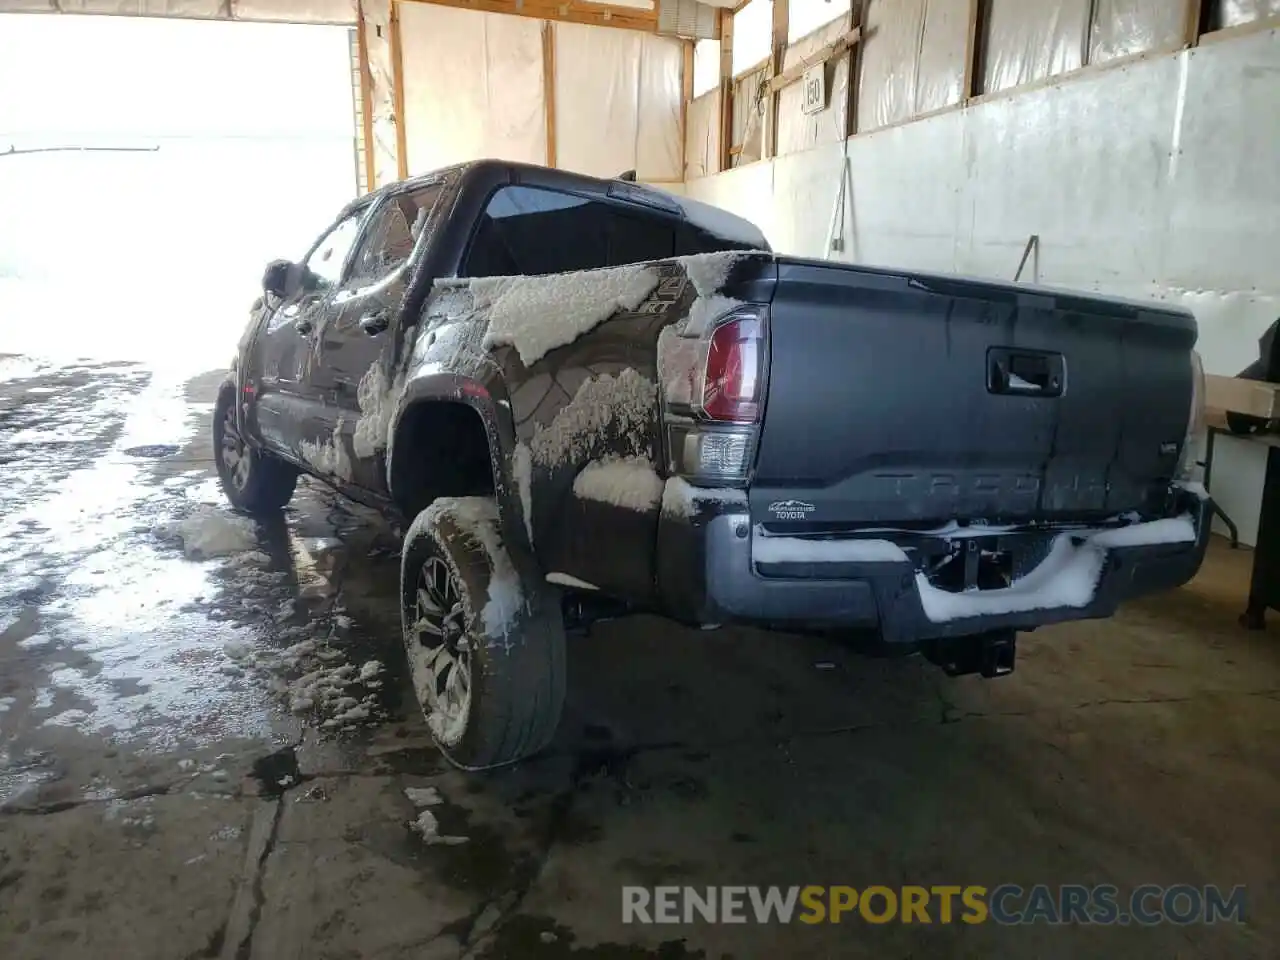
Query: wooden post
(726, 88)
(686, 97)
(1192, 23)
(777, 50)
(859, 14)
(549, 87)
(971, 49)
(366, 97)
(397, 81)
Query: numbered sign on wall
(815, 89)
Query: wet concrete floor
(209, 757)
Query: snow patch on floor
(428, 828)
(629, 482)
(209, 532)
(623, 405)
(680, 498)
(565, 580)
(1067, 577)
(801, 550)
(423, 796)
(522, 469)
(538, 314)
(330, 457)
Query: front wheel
(253, 481)
(485, 646)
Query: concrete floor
(159, 799)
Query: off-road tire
(265, 483)
(517, 676)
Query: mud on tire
(257, 482)
(497, 636)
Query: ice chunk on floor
(210, 532)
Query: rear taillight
(713, 389)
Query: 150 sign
(815, 89)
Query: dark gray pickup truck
(586, 397)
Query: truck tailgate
(901, 398)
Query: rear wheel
(485, 646)
(253, 481)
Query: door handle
(374, 323)
(304, 328)
(1027, 373)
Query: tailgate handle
(1025, 373)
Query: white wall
(1157, 179)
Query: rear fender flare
(495, 416)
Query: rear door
(288, 405)
(357, 334)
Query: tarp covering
(748, 118)
(752, 34)
(702, 136)
(1122, 28)
(1233, 13)
(473, 86)
(806, 16)
(1028, 40)
(617, 102)
(796, 129)
(292, 11)
(381, 106)
(891, 50)
(944, 38)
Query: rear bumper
(708, 577)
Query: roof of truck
(714, 220)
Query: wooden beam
(858, 18)
(777, 50)
(549, 87)
(726, 88)
(366, 97)
(565, 11)
(686, 97)
(397, 88)
(971, 51)
(1192, 23)
(831, 50)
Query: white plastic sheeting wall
(295, 11)
(473, 87)
(618, 102)
(806, 16)
(702, 136)
(1154, 180)
(798, 130)
(1029, 40)
(912, 59)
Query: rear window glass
(527, 230)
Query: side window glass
(393, 232)
(525, 230)
(324, 265)
(529, 231)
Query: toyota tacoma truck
(582, 397)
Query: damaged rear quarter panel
(612, 371)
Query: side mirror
(280, 278)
